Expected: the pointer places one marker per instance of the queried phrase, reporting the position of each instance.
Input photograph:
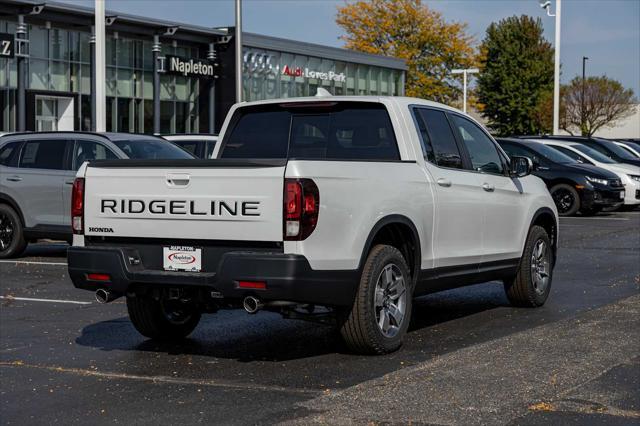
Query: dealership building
(46, 70)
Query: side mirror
(520, 166)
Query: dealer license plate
(182, 258)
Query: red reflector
(259, 285)
(99, 277)
(309, 203)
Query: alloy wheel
(540, 266)
(390, 300)
(564, 200)
(6, 231)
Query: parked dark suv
(37, 172)
(574, 187)
(604, 146)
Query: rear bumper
(288, 277)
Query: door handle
(14, 178)
(444, 182)
(488, 187)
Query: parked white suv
(356, 204)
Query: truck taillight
(301, 208)
(77, 206)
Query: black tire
(523, 290)
(592, 211)
(149, 316)
(566, 198)
(12, 242)
(360, 327)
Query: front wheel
(381, 311)
(162, 319)
(532, 283)
(566, 198)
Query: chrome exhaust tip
(252, 304)
(105, 296)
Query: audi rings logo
(259, 63)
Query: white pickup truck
(334, 209)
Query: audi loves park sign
(307, 73)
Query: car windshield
(553, 155)
(152, 149)
(619, 151)
(593, 154)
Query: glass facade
(60, 63)
(268, 74)
(59, 77)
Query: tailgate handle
(178, 179)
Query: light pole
(464, 73)
(100, 73)
(556, 78)
(584, 62)
(238, 45)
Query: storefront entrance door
(54, 113)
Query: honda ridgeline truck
(333, 209)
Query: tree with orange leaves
(408, 29)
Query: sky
(606, 31)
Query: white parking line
(29, 262)
(593, 218)
(29, 299)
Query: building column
(157, 47)
(21, 36)
(92, 48)
(211, 55)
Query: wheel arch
(6, 199)
(400, 232)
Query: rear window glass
(334, 131)
(152, 149)
(43, 154)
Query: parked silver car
(37, 172)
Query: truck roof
(399, 100)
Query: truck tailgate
(221, 202)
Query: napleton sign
(307, 73)
(189, 67)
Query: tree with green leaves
(516, 72)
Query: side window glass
(484, 154)
(425, 140)
(88, 150)
(43, 154)
(7, 152)
(445, 149)
(579, 158)
(600, 149)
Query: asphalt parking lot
(469, 357)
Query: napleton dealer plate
(182, 258)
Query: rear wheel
(162, 319)
(12, 242)
(532, 284)
(566, 199)
(381, 311)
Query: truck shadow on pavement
(234, 334)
